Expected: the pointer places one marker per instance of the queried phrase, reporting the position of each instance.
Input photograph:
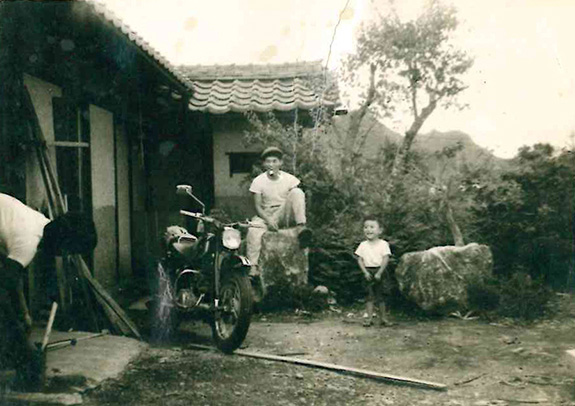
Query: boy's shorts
(377, 291)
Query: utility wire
(333, 38)
(320, 106)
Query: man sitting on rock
(279, 203)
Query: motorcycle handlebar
(207, 219)
(199, 216)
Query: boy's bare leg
(383, 320)
(369, 311)
(369, 305)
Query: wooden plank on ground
(43, 399)
(364, 373)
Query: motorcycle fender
(239, 262)
(243, 261)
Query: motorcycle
(204, 277)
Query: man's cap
(272, 151)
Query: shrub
(484, 295)
(523, 297)
(518, 296)
(285, 296)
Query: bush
(484, 295)
(523, 297)
(519, 297)
(285, 296)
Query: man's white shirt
(274, 191)
(21, 229)
(373, 252)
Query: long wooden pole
(364, 373)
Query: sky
(521, 86)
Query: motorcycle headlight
(232, 238)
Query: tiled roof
(109, 16)
(219, 89)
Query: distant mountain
(435, 141)
(378, 135)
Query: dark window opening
(242, 162)
(73, 163)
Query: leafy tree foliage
(414, 67)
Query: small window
(242, 162)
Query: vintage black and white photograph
(287, 202)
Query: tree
(413, 67)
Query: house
(104, 98)
(224, 93)
(123, 126)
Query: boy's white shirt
(21, 229)
(372, 252)
(274, 192)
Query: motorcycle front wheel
(231, 320)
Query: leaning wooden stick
(49, 326)
(56, 345)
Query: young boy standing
(373, 257)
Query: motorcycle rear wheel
(230, 325)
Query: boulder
(437, 279)
(282, 260)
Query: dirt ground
(482, 363)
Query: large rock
(437, 279)
(282, 259)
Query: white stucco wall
(226, 185)
(41, 93)
(104, 193)
(231, 192)
(123, 179)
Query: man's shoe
(305, 237)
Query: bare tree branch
(351, 139)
